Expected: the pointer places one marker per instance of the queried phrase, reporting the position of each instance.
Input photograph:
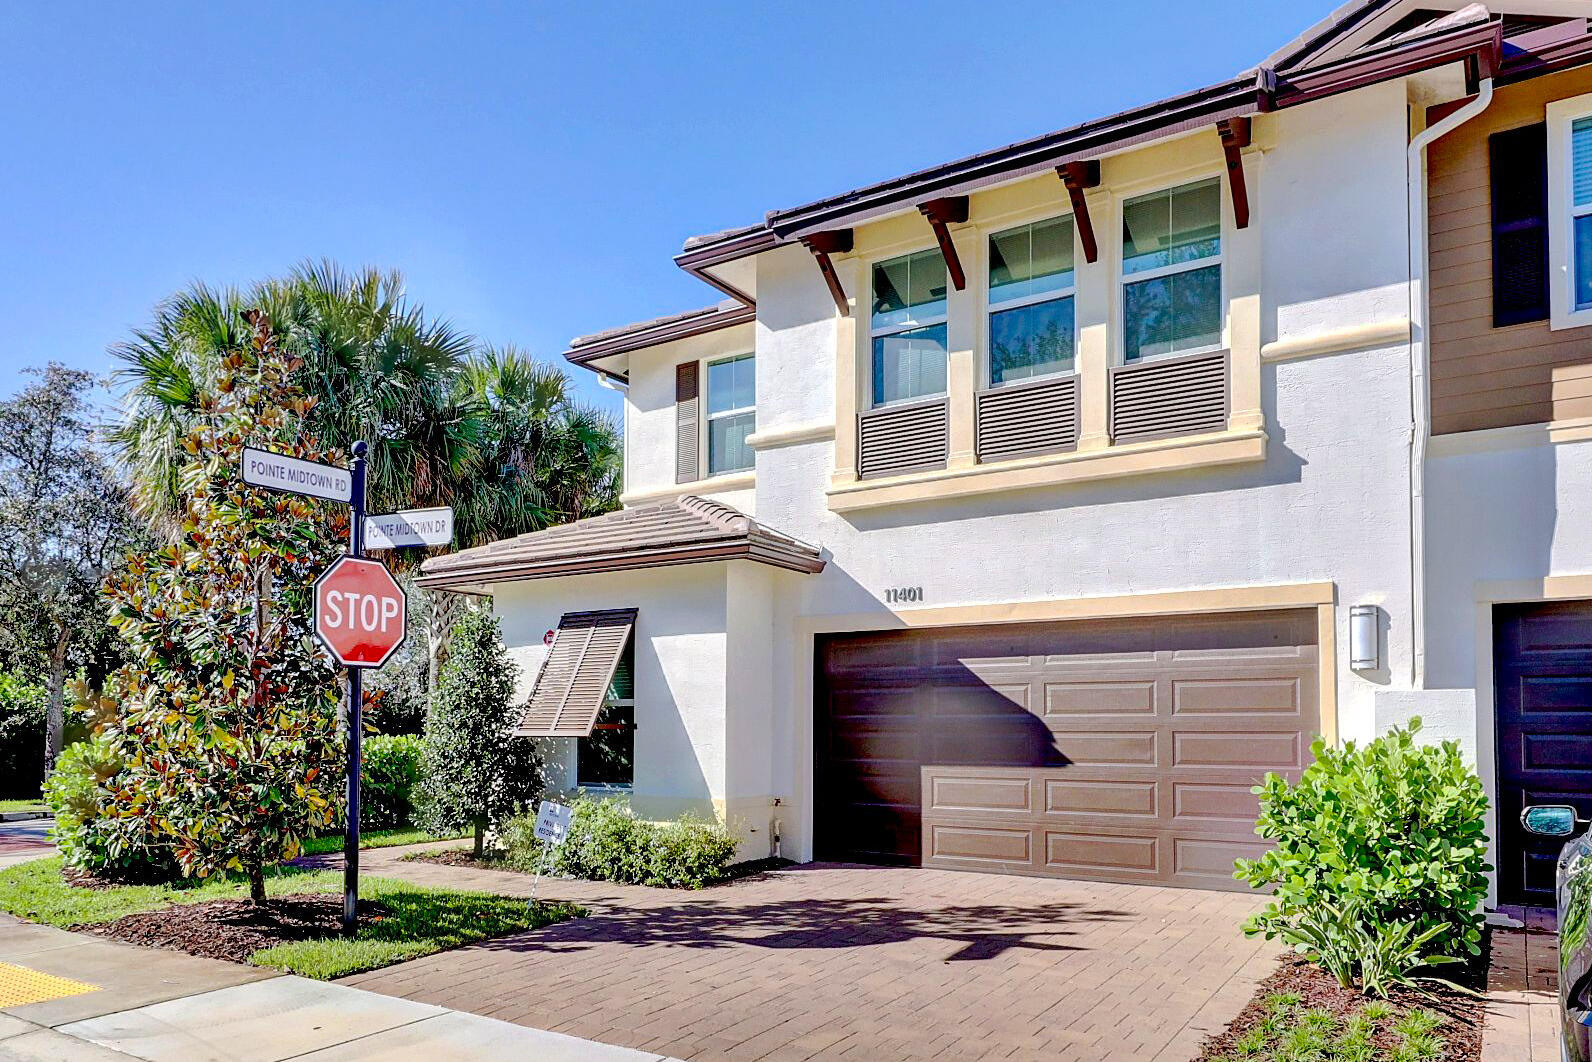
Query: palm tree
(494, 434)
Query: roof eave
(753, 548)
(588, 354)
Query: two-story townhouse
(1020, 513)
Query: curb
(24, 816)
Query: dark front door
(1542, 672)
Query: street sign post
(412, 527)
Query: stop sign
(359, 612)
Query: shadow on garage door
(1120, 751)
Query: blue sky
(530, 168)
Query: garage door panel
(1556, 693)
(1113, 852)
(1556, 752)
(1117, 751)
(1238, 697)
(971, 843)
(1100, 698)
(1227, 748)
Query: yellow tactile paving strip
(20, 985)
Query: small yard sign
(413, 527)
(552, 822)
(262, 468)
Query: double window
(1031, 324)
(1570, 211)
(732, 413)
(1171, 271)
(907, 328)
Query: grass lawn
(374, 839)
(24, 804)
(419, 920)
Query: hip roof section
(685, 530)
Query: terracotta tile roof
(686, 530)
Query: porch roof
(685, 530)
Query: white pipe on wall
(1420, 382)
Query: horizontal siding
(1481, 376)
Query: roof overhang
(591, 352)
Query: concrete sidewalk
(96, 1000)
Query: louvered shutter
(1518, 172)
(687, 417)
(576, 673)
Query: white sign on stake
(552, 822)
(262, 468)
(412, 527)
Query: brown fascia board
(1324, 34)
(1546, 51)
(623, 342)
(754, 548)
(1481, 42)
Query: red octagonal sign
(359, 612)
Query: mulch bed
(1463, 1015)
(233, 929)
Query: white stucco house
(1020, 513)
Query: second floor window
(1030, 301)
(1581, 211)
(907, 327)
(1171, 271)
(732, 413)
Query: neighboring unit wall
(1486, 377)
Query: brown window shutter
(1518, 173)
(687, 440)
(576, 673)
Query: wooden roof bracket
(942, 213)
(1235, 133)
(822, 245)
(1078, 176)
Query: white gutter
(1420, 382)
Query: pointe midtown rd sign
(359, 612)
(261, 468)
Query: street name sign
(412, 527)
(262, 468)
(359, 612)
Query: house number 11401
(902, 595)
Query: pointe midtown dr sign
(262, 468)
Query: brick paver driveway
(878, 964)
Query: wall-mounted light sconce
(1364, 637)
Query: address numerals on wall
(903, 595)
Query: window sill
(1161, 455)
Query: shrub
(393, 767)
(476, 775)
(607, 842)
(23, 706)
(120, 849)
(1391, 832)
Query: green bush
(23, 706)
(121, 849)
(1391, 832)
(607, 842)
(394, 766)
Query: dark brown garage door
(1121, 751)
(1542, 672)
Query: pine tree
(476, 775)
(227, 717)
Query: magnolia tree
(227, 717)
(476, 774)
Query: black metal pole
(354, 714)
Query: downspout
(1420, 383)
